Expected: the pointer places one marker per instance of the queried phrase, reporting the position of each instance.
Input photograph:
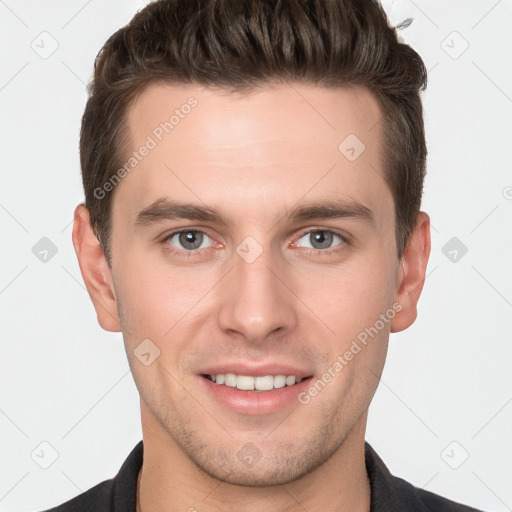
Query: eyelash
(190, 253)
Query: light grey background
(446, 389)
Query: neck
(169, 481)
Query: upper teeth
(246, 382)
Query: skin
(253, 158)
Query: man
(253, 175)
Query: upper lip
(255, 370)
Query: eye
(189, 240)
(320, 239)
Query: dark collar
(388, 493)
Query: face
(254, 244)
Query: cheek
(155, 305)
(349, 297)
(157, 301)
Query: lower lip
(255, 403)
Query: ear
(411, 275)
(95, 270)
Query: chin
(270, 467)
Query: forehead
(286, 114)
(272, 145)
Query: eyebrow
(165, 209)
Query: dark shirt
(388, 493)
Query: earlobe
(411, 275)
(95, 271)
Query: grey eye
(190, 240)
(320, 239)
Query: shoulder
(394, 494)
(430, 502)
(117, 494)
(96, 499)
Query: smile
(250, 383)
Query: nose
(256, 300)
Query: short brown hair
(240, 45)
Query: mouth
(255, 389)
(257, 384)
